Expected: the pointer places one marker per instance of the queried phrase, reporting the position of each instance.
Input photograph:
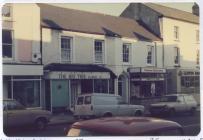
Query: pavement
(67, 117)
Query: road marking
(191, 125)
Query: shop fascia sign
(147, 70)
(78, 75)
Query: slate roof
(93, 23)
(173, 13)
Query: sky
(116, 9)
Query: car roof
(126, 125)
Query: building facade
(179, 31)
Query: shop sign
(147, 79)
(147, 70)
(78, 75)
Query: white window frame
(150, 49)
(70, 50)
(12, 45)
(125, 53)
(176, 56)
(10, 12)
(102, 52)
(176, 33)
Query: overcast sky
(116, 8)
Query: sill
(177, 40)
(177, 65)
(126, 63)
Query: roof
(93, 23)
(77, 68)
(173, 13)
(126, 126)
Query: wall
(187, 40)
(25, 23)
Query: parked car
(15, 114)
(174, 103)
(125, 126)
(104, 105)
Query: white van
(100, 104)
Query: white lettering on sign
(79, 75)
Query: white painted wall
(187, 40)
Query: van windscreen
(80, 100)
(88, 100)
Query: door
(60, 94)
(74, 92)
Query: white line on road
(191, 125)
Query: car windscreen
(169, 99)
(80, 100)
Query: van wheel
(192, 111)
(138, 113)
(107, 115)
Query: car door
(17, 114)
(180, 106)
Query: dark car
(125, 126)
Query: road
(191, 126)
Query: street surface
(191, 126)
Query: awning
(77, 71)
(22, 69)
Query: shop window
(150, 55)
(120, 85)
(87, 86)
(176, 32)
(7, 42)
(126, 50)
(99, 51)
(190, 81)
(176, 55)
(66, 49)
(101, 86)
(27, 92)
(111, 86)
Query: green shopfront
(64, 82)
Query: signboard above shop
(147, 70)
(77, 75)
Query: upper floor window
(99, 51)
(197, 36)
(176, 55)
(150, 54)
(7, 42)
(6, 11)
(176, 32)
(66, 49)
(197, 61)
(126, 50)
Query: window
(6, 11)
(7, 41)
(66, 49)
(126, 49)
(197, 61)
(80, 100)
(120, 85)
(197, 36)
(101, 85)
(27, 92)
(99, 51)
(176, 55)
(88, 100)
(176, 32)
(150, 55)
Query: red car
(125, 126)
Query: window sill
(176, 40)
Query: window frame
(151, 56)
(70, 50)
(102, 61)
(10, 12)
(176, 56)
(126, 52)
(176, 33)
(12, 45)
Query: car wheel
(192, 111)
(107, 115)
(40, 124)
(172, 112)
(138, 113)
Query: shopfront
(146, 82)
(64, 82)
(23, 83)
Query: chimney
(195, 9)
